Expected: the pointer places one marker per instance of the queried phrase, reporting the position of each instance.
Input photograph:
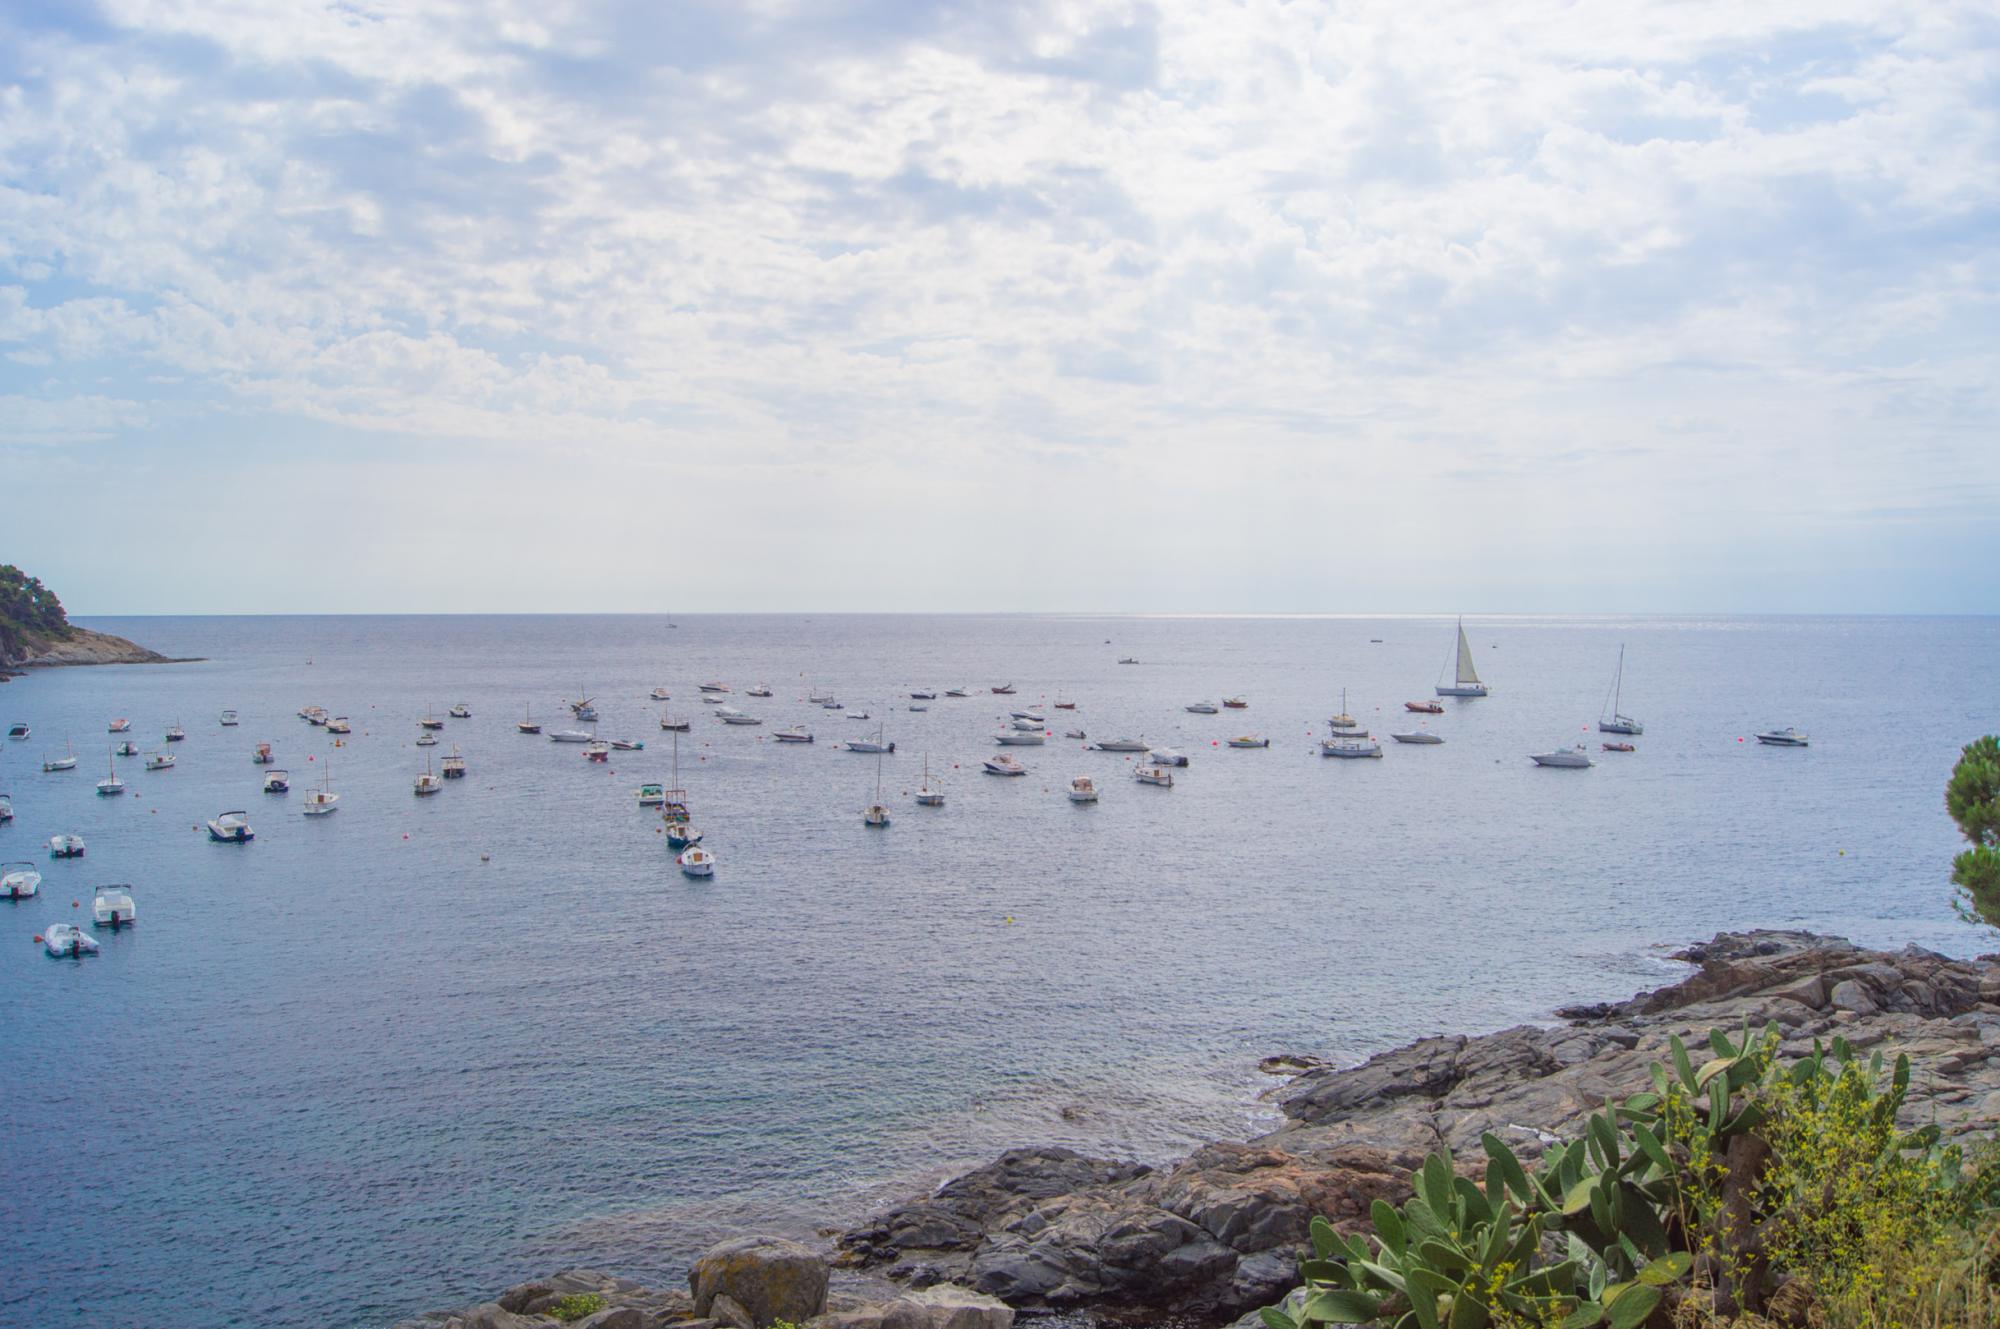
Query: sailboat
(322, 800)
(111, 786)
(526, 724)
(1619, 722)
(66, 762)
(674, 809)
(928, 797)
(1465, 679)
(875, 814)
(1343, 720)
(428, 782)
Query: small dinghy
(121, 725)
(262, 756)
(127, 749)
(460, 712)
(796, 734)
(231, 828)
(1075, 733)
(18, 729)
(1002, 764)
(338, 725)
(918, 706)
(113, 908)
(1619, 747)
(229, 720)
(160, 761)
(65, 846)
(1249, 741)
(1155, 775)
(696, 862)
(1082, 790)
(759, 691)
(19, 880)
(1201, 708)
(661, 694)
(1004, 690)
(1425, 707)
(277, 782)
(63, 940)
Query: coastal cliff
(35, 631)
(1220, 1233)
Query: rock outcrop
(769, 1278)
(83, 647)
(1219, 1233)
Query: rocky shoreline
(84, 647)
(1218, 1235)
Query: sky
(1206, 307)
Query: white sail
(1467, 675)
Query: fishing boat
(526, 724)
(427, 739)
(121, 725)
(277, 782)
(1465, 679)
(1120, 745)
(1614, 720)
(231, 828)
(66, 846)
(18, 729)
(1003, 764)
(66, 762)
(568, 736)
(460, 712)
(1154, 775)
(339, 725)
(1082, 790)
(696, 862)
(1425, 707)
(660, 694)
(1166, 757)
(1787, 737)
(1004, 690)
(597, 750)
(127, 748)
(229, 720)
(674, 809)
(160, 761)
(1020, 738)
(676, 724)
(1618, 747)
(112, 907)
(1201, 708)
(876, 813)
(798, 733)
(321, 801)
(430, 721)
(928, 797)
(19, 880)
(452, 767)
(1249, 741)
(759, 691)
(63, 940)
(1349, 745)
(652, 795)
(1026, 724)
(1062, 705)
(1344, 720)
(175, 733)
(428, 783)
(1235, 704)
(1563, 758)
(625, 744)
(1420, 737)
(262, 756)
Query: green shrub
(577, 1305)
(1972, 796)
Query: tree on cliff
(27, 609)
(1972, 796)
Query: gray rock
(727, 1311)
(1850, 995)
(612, 1317)
(768, 1277)
(493, 1315)
(948, 1306)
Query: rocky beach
(1217, 1235)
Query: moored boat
(696, 862)
(1349, 745)
(160, 761)
(1201, 708)
(231, 828)
(676, 724)
(19, 880)
(460, 712)
(338, 725)
(1154, 775)
(229, 720)
(262, 756)
(175, 733)
(121, 725)
(428, 783)
(1420, 737)
(1020, 738)
(1120, 745)
(1166, 757)
(927, 796)
(1425, 707)
(526, 724)
(19, 729)
(127, 748)
(1249, 741)
(453, 767)
(321, 801)
(1235, 704)
(1618, 747)
(1465, 678)
(1563, 758)
(1082, 789)
(277, 782)
(63, 940)
(1614, 720)
(652, 795)
(112, 907)
(798, 733)
(1787, 737)
(1003, 764)
(66, 846)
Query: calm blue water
(352, 1071)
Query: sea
(398, 1058)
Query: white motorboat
(160, 761)
(1614, 720)
(798, 733)
(277, 782)
(715, 687)
(1030, 718)
(832, 704)
(126, 748)
(568, 736)
(652, 795)
(958, 692)
(338, 725)
(1344, 720)
(121, 725)
(874, 744)
(759, 691)
(231, 828)
(1020, 738)
(1002, 764)
(111, 786)
(229, 720)
(66, 762)
(857, 715)
(18, 729)
(67, 939)
(1075, 733)
(112, 907)
(66, 846)
(923, 695)
(460, 712)
(1465, 678)
(927, 796)
(738, 718)
(1029, 725)
(321, 801)
(696, 862)
(526, 724)
(1158, 775)
(1120, 745)
(1166, 757)
(597, 750)
(625, 744)
(1564, 758)
(427, 739)
(19, 880)
(1249, 741)
(175, 733)
(1787, 737)
(262, 756)
(429, 782)
(918, 706)
(452, 767)
(6, 808)
(1419, 736)
(660, 694)
(814, 697)
(313, 715)
(676, 724)
(1082, 790)
(1201, 708)
(1350, 745)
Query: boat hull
(1452, 690)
